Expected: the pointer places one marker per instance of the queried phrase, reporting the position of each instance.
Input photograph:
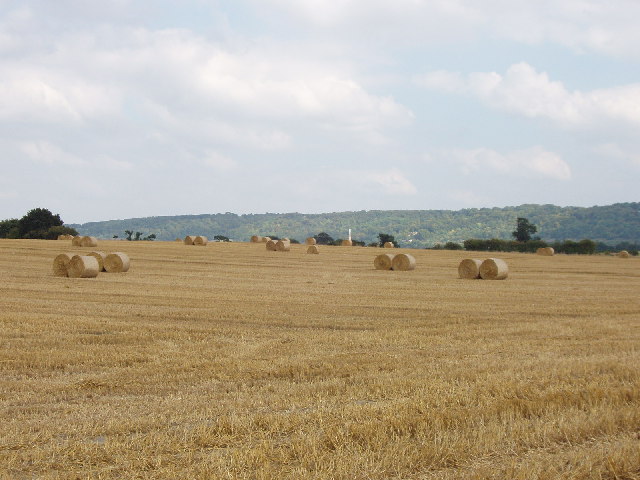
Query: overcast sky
(121, 108)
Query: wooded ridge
(610, 224)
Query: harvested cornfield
(546, 251)
(99, 256)
(494, 269)
(242, 365)
(82, 266)
(388, 245)
(310, 241)
(469, 268)
(313, 249)
(117, 262)
(200, 240)
(383, 261)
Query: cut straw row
(199, 240)
(389, 261)
(88, 266)
(489, 269)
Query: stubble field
(228, 361)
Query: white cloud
(95, 75)
(615, 151)
(392, 182)
(45, 152)
(109, 163)
(522, 90)
(582, 25)
(218, 161)
(533, 160)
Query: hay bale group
(489, 269)
(84, 241)
(282, 245)
(88, 266)
(401, 262)
(199, 240)
(259, 239)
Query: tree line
(36, 223)
(524, 242)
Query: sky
(123, 109)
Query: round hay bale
(469, 268)
(546, 251)
(283, 245)
(60, 264)
(62, 237)
(76, 241)
(117, 262)
(313, 249)
(178, 240)
(256, 239)
(494, 269)
(83, 266)
(310, 241)
(200, 240)
(403, 262)
(389, 245)
(623, 254)
(265, 239)
(347, 243)
(100, 256)
(383, 261)
(271, 245)
(189, 239)
(87, 241)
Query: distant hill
(610, 224)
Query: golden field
(230, 362)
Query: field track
(229, 361)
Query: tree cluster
(37, 223)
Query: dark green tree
(523, 230)
(384, 238)
(324, 238)
(129, 234)
(54, 232)
(9, 228)
(221, 238)
(37, 222)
